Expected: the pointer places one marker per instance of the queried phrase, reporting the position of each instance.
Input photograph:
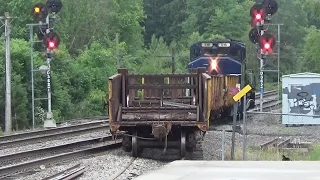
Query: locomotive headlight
(213, 64)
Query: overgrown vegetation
(147, 29)
(256, 154)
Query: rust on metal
(153, 99)
(156, 116)
(114, 127)
(202, 126)
(173, 123)
(182, 75)
(159, 130)
(161, 86)
(284, 143)
(218, 92)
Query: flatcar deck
(157, 116)
(235, 170)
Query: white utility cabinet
(301, 95)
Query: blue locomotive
(224, 57)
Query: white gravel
(61, 141)
(102, 166)
(68, 122)
(260, 128)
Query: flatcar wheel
(183, 144)
(135, 144)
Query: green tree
(310, 61)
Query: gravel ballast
(51, 143)
(260, 129)
(102, 166)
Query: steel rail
(272, 143)
(55, 135)
(124, 169)
(70, 173)
(23, 135)
(269, 103)
(273, 92)
(25, 166)
(276, 143)
(20, 156)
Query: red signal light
(257, 14)
(266, 43)
(267, 46)
(51, 45)
(51, 40)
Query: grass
(256, 154)
(315, 154)
(271, 86)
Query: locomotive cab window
(235, 53)
(207, 52)
(194, 52)
(222, 51)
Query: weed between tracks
(256, 154)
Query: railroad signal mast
(261, 16)
(45, 14)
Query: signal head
(51, 40)
(42, 31)
(257, 13)
(39, 12)
(271, 6)
(254, 35)
(54, 6)
(266, 43)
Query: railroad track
(71, 173)
(123, 170)
(276, 143)
(20, 157)
(27, 138)
(28, 164)
(270, 101)
(267, 93)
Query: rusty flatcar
(154, 110)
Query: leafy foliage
(150, 32)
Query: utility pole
(117, 51)
(7, 25)
(173, 63)
(278, 53)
